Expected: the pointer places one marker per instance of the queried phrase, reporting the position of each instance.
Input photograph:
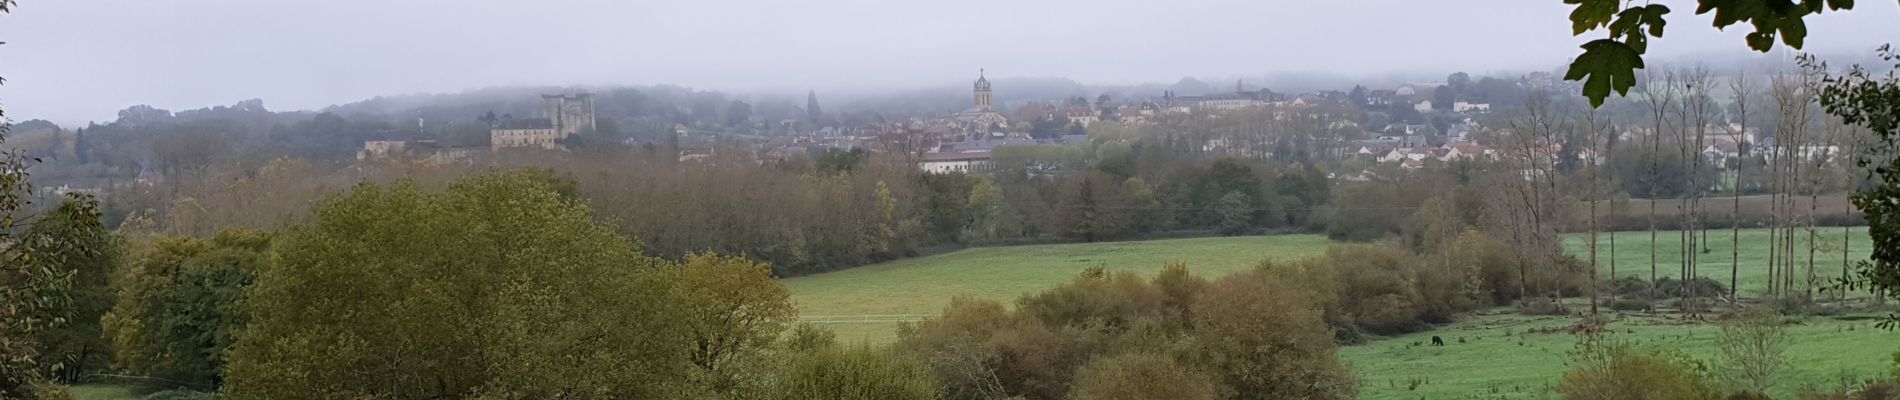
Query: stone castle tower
(567, 114)
(982, 92)
(570, 113)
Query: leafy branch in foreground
(1872, 100)
(1610, 64)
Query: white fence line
(862, 319)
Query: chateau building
(565, 115)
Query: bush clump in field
(1701, 287)
(1752, 347)
(1245, 336)
(1608, 370)
(856, 372)
(1142, 376)
(1386, 289)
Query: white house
(939, 163)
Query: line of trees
(496, 285)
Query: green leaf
(1761, 41)
(1590, 14)
(1606, 65)
(1628, 21)
(1653, 15)
(1794, 32)
(1725, 11)
(1638, 42)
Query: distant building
(974, 161)
(1462, 106)
(1081, 116)
(378, 149)
(981, 119)
(564, 115)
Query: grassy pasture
(1496, 360)
(1632, 255)
(1495, 356)
(923, 286)
(102, 392)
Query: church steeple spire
(982, 91)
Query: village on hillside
(1426, 123)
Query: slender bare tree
(1792, 103)
(1743, 91)
(1594, 129)
(1528, 202)
(1698, 110)
(1659, 99)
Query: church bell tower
(982, 91)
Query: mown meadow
(1497, 353)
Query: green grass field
(1632, 255)
(923, 286)
(102, 392)
(1497, 359)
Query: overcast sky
(79, 60)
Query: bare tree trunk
(1698, 81)
(1658, 96)
(1595, 191)
(1742, 93)
(1593, 245)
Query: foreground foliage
(176, 315)
(495, 287)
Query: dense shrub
(1700, 286)
(1179, 288)
(543, 302)
(960, 347)
(1254, 334)
(1378, 287)
(1096, 297)
(1142, 376)
(808, 337)
(855, 373)
(1499, 275)
(1629, 286)
(1266, 341)
(177, 315)
(1605, 370)
(77, 348)
(1384, 289)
